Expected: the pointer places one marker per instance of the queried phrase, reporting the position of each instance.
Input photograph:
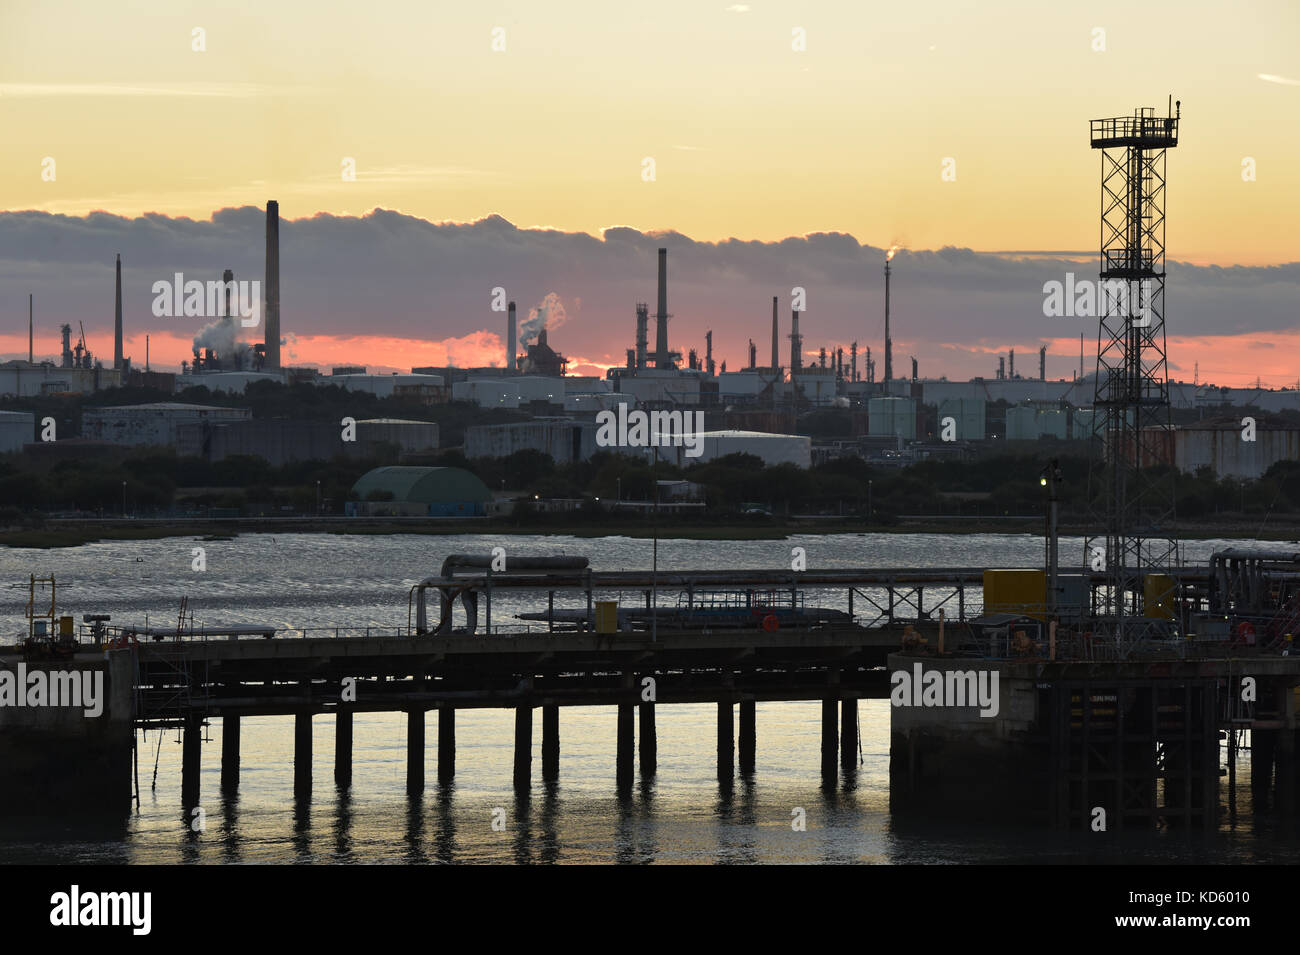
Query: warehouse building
(1223, 447)
(773, 449)
(16, 429)
(564, 440)
(153, 424)
(418, 492)
(281, 440)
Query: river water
(682, 815)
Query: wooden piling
(343, 749)
(748, 736)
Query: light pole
(1050, 478)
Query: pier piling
(446, 744)
(748, 735)
(229, 753)
(626, 725)
(648, 741)
(415, 751)
(550, 742)
(830, 741)
(726, 743)
(191, 739)
(849, 734)
(523, 747)
(343, 749)
(302, 754)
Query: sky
(549, 148)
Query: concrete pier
(446, 744)
(343, 749)
(726, 743)
(229, 753)
(830, 741)
(550, 742)
(523, 747)
(648, 741)
(849, 735)
(623, 758)
(415, 751)
(302, 755)
(748, 736)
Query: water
(681, 816)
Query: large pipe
(272, 318)
(512, 346)
(117, 319)
(661, 316)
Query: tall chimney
(796, 346)
(889, 345)
(853, 361)
(29, 328)
(271, 329)
(708, 351)
(661, 316)
(642, 321)
(776, 355)
(1042, 363)
(1011, 364)
(914, 369)
(753, 354)
(117, 319)
(227, 286)
(512, 346)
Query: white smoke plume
(548, 314)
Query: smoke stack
(776, 355)
(796, 346)
(1002, 367)
(512, 347)
(29, 328)
(227, 284)
(708, 351)
(1042, 363)
(271, 329)
(914, 369)
(117, 319)
(753, 355)
(853, 361)
(1011, 365)
(642, 323)
(889, 345)
(661, 316)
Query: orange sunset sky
(763, 120)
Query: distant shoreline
(73, 533)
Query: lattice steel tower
(1132, 483)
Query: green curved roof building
(435, 492)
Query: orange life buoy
(770, 623)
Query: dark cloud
(391, 274)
